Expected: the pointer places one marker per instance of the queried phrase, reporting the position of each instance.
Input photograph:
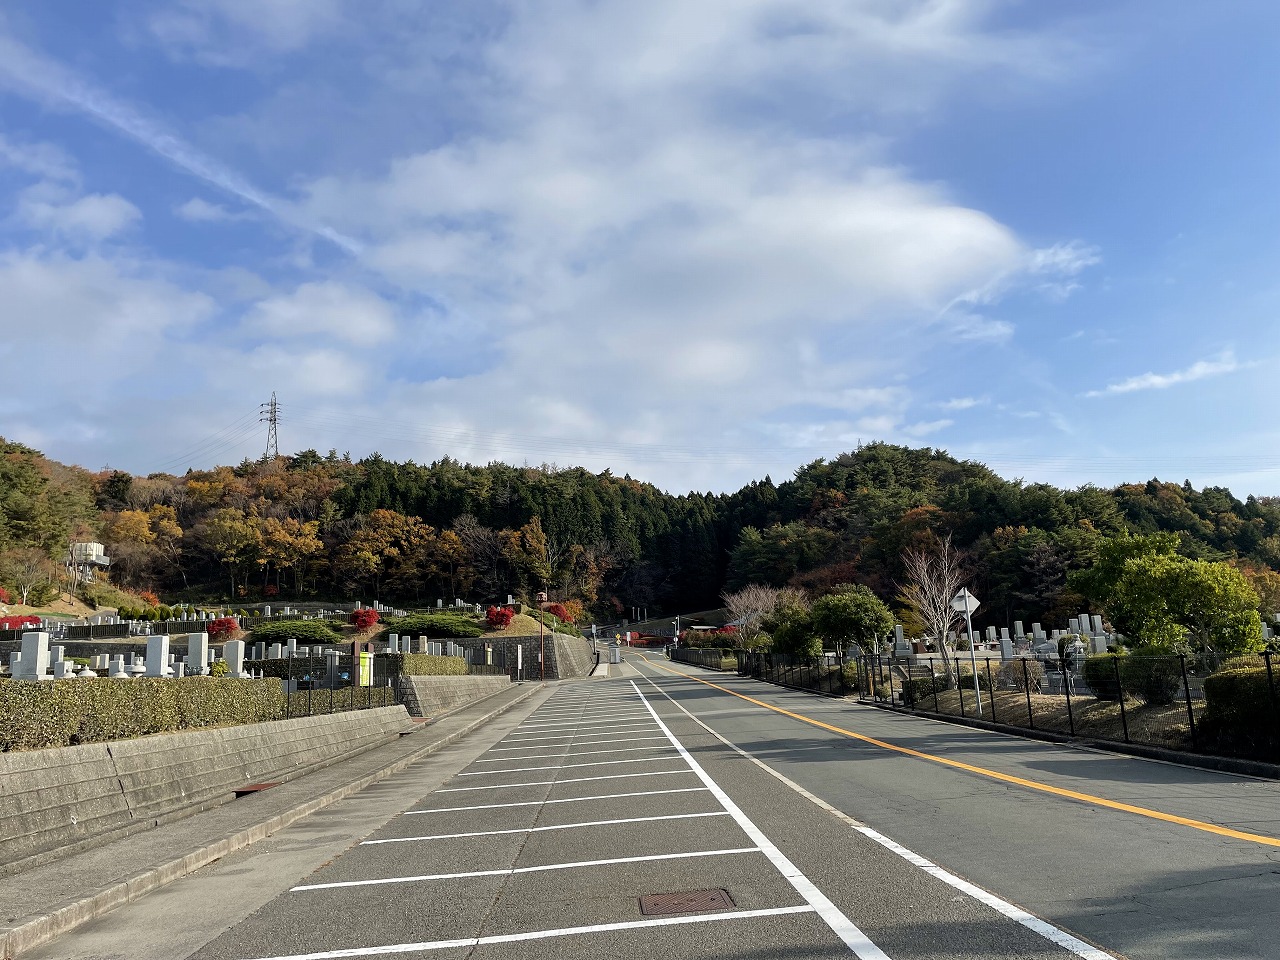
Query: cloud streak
(1225, 363)
(33, 74)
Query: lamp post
(968, 603)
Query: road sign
(964, 601)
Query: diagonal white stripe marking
(541, 783)
(510, 871)
(560, 826)
(425, 946)
(842, 926)
(538, 803)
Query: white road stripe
(538, 803)
(560, 826)
(511, 871)
(842, 926)
(1012, 911)
(565, 766)
(540, 783)
(585, 753)
(579, 743)
(579, 725)
(542, 934)
(591, 733)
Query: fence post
(1124, 717)
(1186, 692)
(1066, 685)
(310, 683)
(891, 681)
(991, 691)
(933, 682)
(1026, 686)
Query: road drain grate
(687, 901)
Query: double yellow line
(985, 772)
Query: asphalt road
(540, 837)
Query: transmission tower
(271, 416)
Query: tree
(234, 538)
(851, 615)
(1165, 600)
(29, 569)
(790, 624)
(934, 575)
(749, 606)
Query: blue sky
(693, 242)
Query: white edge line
(557, 826)
(511, 871)
(840, 925)
(536, 803)
(1013, 912)
(544, 934)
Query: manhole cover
(687, 901)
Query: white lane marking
(536, 721)
(585, 753)
(543, 934)
(842, 926)
(579, 725)
(559, 826)
(578, 743)
(1012, 911)
(540, 783)
(591, 733)
(566, 766)
(511, 871)
(538, 803)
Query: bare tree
(935, 575)
(28, 568)
(750, 605)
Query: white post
(973, 656)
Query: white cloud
(237, 32)
(963, 403)
(1224, 363)
(44, 160)
(324, 310)
(974, 326)
(92, 217)
(198, 210)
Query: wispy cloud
(963, 403)
(1224, 363)
(33, 74)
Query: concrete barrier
(57, 801)
(574, 656)
(429, 696)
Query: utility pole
(270, 415)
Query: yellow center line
(985, 772)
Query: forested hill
(312, 525)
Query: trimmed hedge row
(397, 664)
(434, 626)
(61, 713)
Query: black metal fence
(828, 674)
(713, 658)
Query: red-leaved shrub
(364, 618)
(221, 628)
(4, 596)
(558, 611)
(499, 617)
(17, 623)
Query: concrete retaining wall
(574, 656)
(567, 657)
(57, 801)
(429, 696)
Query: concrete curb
(34, 930)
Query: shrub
(1152, 679)
(149, 598)
(1240, 714)
(554, 623)
(307, 631)
(364, 618)
(17, 623)
(558, 611)
(1011, 674)
(222, 628)
(499, 618)
(218, 668)
(164, 613)
(1100, 675)
(437, 626)
(918, 691)
(5, 596)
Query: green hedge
(1156, 680)
(1239, 716)
(304, 631)
(60, 713)
(399, 664)
(436, 626)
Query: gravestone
(1099, 644)
(1097, 625)
(35, 656)
(158, 656)
(259, 651)
(233, 653)
(1073, 626)
(991, 634)
(117, 670)
(276, 652)
(1004, 633)
(179, 670)
(197, 654)
(266, 611)
(331, 667)
(393, 643)
(63, 669)
(292, 647)
(1006, 647)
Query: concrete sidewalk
(40, 904)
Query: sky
(697, 243)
